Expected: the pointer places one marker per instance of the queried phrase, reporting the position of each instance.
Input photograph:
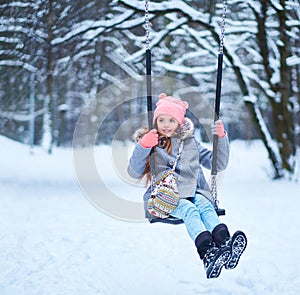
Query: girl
(212, 239)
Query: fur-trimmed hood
(185, 130)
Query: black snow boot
(214, 258)
(237, 243)
(221, 235)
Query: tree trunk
(265, 136)
(282, 115)
(256, 118)
(282, 111)
(50, 106)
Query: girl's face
(166, 125)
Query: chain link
(223, 27)
(147, 24)
(214, 191)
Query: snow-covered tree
(261, 56)
(15, 66)
(267, 64)
(77, 49)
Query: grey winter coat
(189, 174)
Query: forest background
(57, 56)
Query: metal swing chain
(221, 50)
(147, 24)
(214, 191)
(149, 83)
(223, 27)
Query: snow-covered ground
(53, 241)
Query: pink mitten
(218, 129)
(150, 139)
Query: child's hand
(150, 139)
(218, 129)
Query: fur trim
(185, 130)
(138, 134)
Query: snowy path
(53, 241)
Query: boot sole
(238, 246)
(214, 270)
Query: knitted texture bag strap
(153, 177)
(178, 155)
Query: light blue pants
(198, 215)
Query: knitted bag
(164, 195)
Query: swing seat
(175, 220)
(220, 211)
(169, 220)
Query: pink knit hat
(172, 106)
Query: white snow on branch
(240, 27)
(92, 28)
(190, 55)
(23, 30)
(277, 5)
(293, 60)
(167, 5)
(20, 117)
(185, 69)
(117, 58)
(9, 40)
(255, 5)
(17, 4)
(251, 99)
(157, 37)
(293, 23)
(17, 63)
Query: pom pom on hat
(172, 106)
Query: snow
(18, 63)
(293, 60)
(91, 28)
(186, 69)
(20, 117)
(277, 5)
(53, 241)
